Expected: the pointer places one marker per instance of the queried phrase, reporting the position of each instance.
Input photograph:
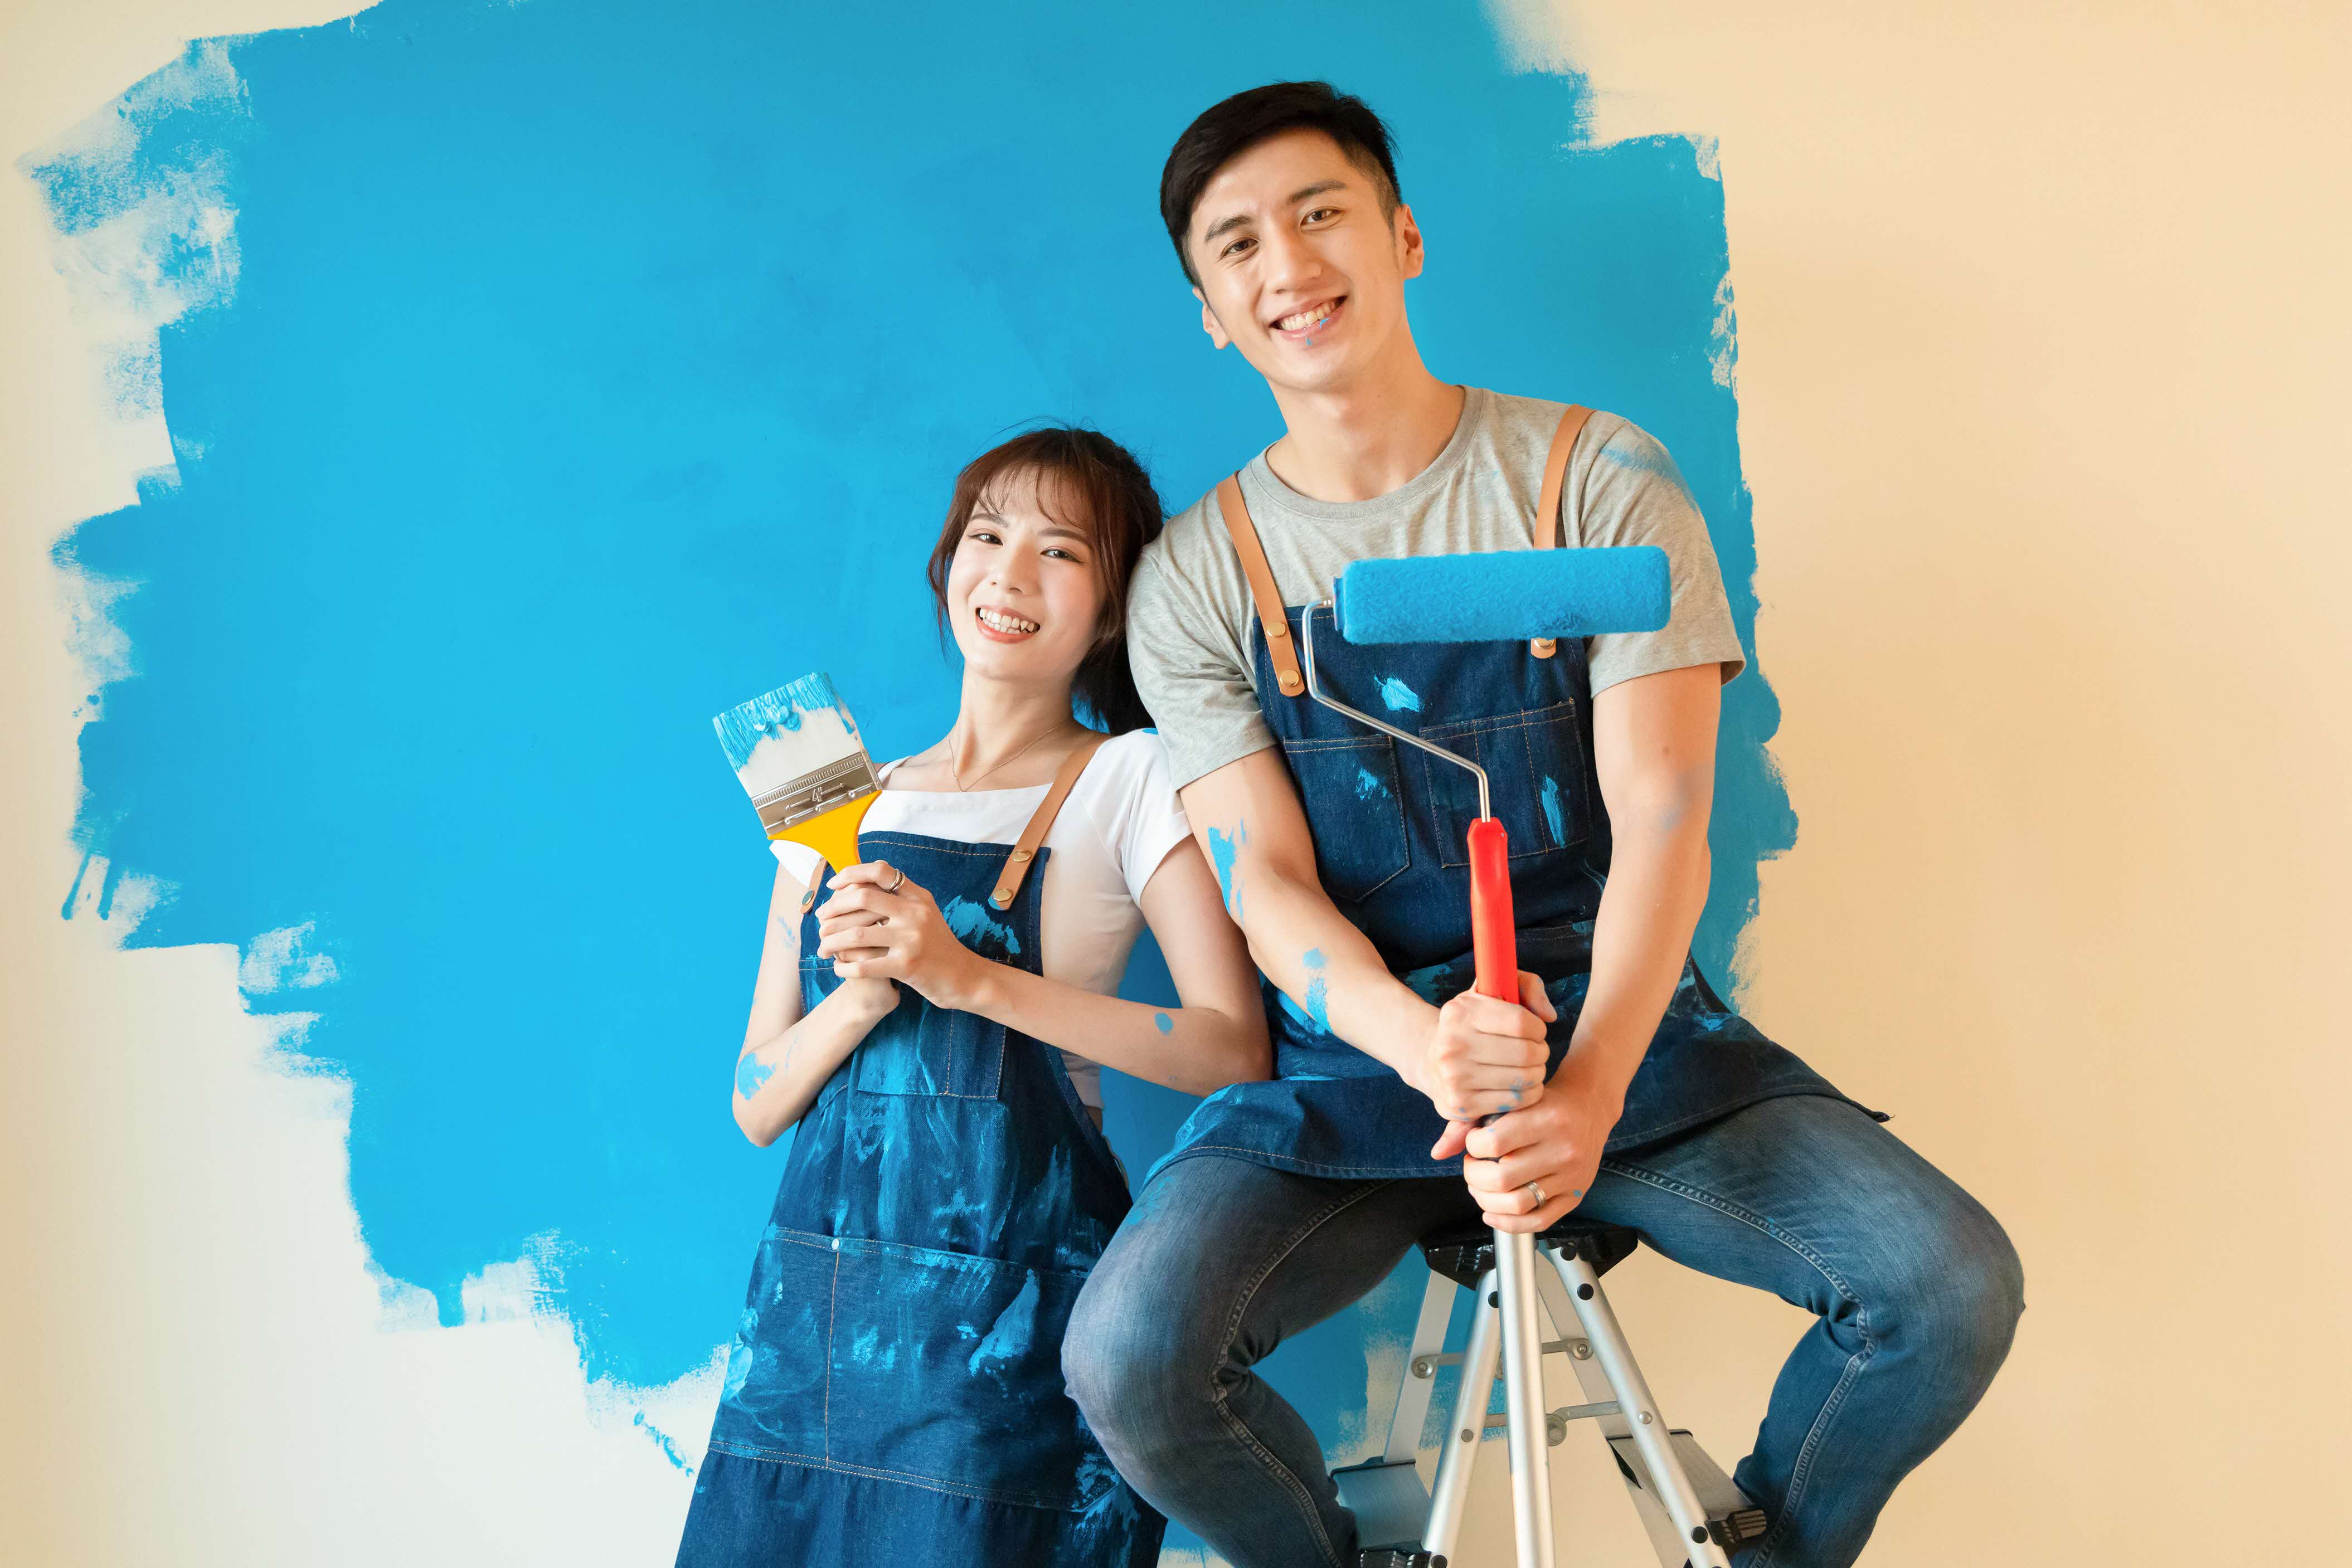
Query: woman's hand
(871, 933)
(1485, 1057)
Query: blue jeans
(1915, 1287)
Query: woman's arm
(1215, 1037)
(786, 1057)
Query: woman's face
(1021, 586)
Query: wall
(371, 1174)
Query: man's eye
(1235, 249)
(1322, 213)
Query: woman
(935, 1021)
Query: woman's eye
(984, 537)
(1058, 550)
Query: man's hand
(1485, 1057)
(1556, 1145)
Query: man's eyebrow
(1296, 196)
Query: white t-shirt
(1120, 822)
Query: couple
(961, 1345)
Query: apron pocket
(1534, 775)
(773, 1397)
(1349, 789)
(947, 1372)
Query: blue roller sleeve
(1498, 595)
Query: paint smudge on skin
(978, 927)
(751, 1074)
(1319, 992)
(1552, 812)
(1369, 786)
(1400, 697)
(1222, 850)
(1167, 1024)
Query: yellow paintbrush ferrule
(832, 834)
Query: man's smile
(1303, 324)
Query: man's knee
(1956, 1302)
(1134, 1358)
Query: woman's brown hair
(1123, 514)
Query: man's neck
(1364, 441)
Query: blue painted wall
(595, 365)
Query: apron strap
(1563, 441)
(1261, 583)
(1041, 821)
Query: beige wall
(2043, 366)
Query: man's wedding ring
(1534, 1190)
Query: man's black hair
(1228, 130)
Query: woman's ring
(1534, 1189)
(897, 884)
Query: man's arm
(1473, 1056)
(1654, 745)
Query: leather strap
(1041, 821)
(1563, 442)
(1278, 643)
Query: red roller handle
(1493, 936)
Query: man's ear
(1210, 324)
(1407, 234)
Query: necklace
(962, 788)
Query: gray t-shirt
(1190, 613)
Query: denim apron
(1391, 824)
(894, 1395)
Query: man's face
(1298, 268)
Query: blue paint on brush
(1400, 697)
(559, 541)
(978, 927)
(1552, 818)
(742, 727)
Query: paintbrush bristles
(791, 734)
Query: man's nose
(1290, 262)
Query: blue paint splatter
(1369, 786)
(1012, 1332)
(1401, 698)
(1221, 848)
(652, 579)
(1167, 1024)
(1551, 810)
(1318, 991)
(977, 926)
(750, 1073)
(74, 893)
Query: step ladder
(1694, 1515)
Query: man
(1627, 1090)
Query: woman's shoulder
(1131, 765)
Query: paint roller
(1492, 596)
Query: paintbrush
(797, 753)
